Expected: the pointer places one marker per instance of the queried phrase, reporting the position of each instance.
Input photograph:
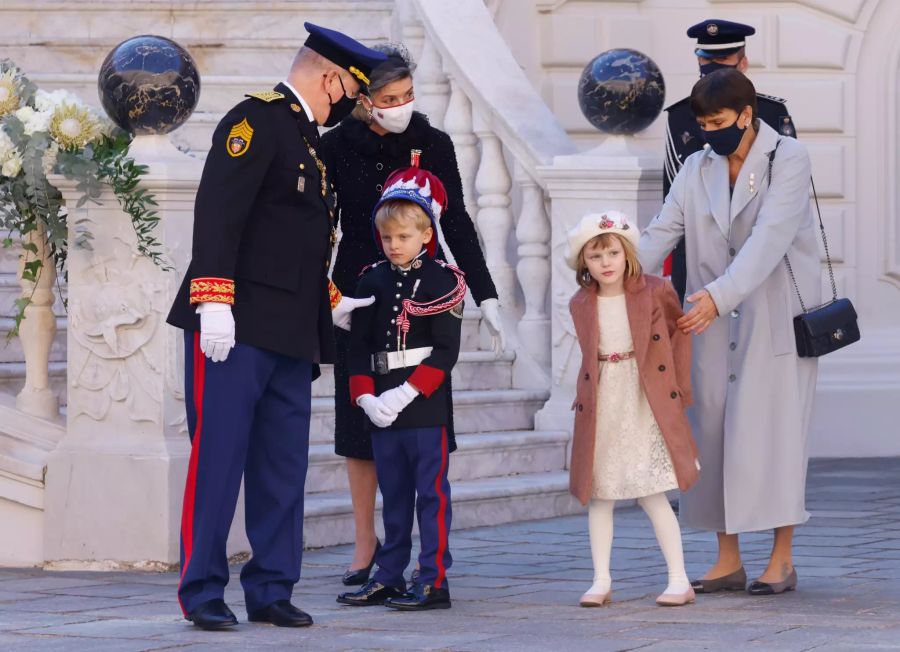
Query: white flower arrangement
(44, 132)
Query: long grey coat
(752, 394)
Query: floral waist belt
(615, 357)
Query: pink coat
(663, 355)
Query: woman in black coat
(385, 134)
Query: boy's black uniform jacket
(262, 226)
(374, 329)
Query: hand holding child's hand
(701, 315)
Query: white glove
(378, 413)
(216, 330)
(345, 307)
(398, 398)
(490, 312)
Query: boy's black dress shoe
(213, 615)
(281, 613)
(373, 593)
(360, 576)
(421, 597)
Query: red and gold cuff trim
(209, 289)
(360, 384)
(334, 295)
(426, 379)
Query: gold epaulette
(266, 96)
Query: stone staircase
(504, 470)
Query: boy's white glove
(344, 309)
(216, 330)
(490, 312)
(378, 413)
(398, 398)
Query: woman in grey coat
(753, 395)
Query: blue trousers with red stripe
(411, 464)
(248, 416)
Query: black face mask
(340, 109)
(724, 141)
(706, 68)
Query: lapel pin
(752, 182)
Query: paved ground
(515, 587)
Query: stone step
(473, 370)
(485, 501)
(12, 378)
(473, 411)
(477, 456)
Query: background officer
(720, 44)
(256, 308)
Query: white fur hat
(592, 225)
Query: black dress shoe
(373, 593)
(281, 613)
(420, 598)
(360, 576)
(212, 615)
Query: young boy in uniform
(403, 347)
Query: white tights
(668, 533)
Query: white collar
(303, 103)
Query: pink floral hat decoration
(592, 225)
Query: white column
(611, 176)
(533, 270)
(458, 125)
(494, 221)
(114, 485)
(432, 89)
(37, 330)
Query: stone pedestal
(114, 484)
(616, 175)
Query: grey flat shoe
(773, 588)
(736, 581)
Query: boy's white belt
(386, 361)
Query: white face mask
(395, 118)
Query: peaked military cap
(343, 51)
(719, 38)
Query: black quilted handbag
(830, 326)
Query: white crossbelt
(385, 361)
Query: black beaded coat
(358, 162)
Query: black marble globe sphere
(149, 85)
(621, 91)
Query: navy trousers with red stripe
(411, 464)
(248, 415)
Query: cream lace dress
(630, 457)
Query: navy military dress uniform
(412, 333)
(262, 240)
(715, 38)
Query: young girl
(632, 438)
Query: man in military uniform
(720, 44)
(256, 309)
(402, 351)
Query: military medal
(752, 182)
(415, 155)
(301, 183)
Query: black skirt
(352, 437)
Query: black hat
(719, 38)
(343, 51)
